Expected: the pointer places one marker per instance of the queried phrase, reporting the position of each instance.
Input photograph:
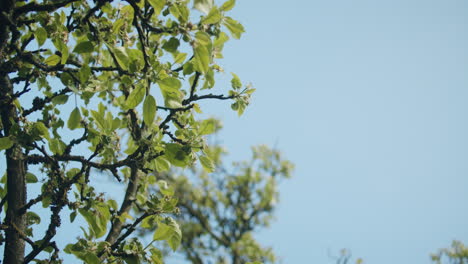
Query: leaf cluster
(116, 89)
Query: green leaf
(117, 25)
(52, 60)
(165, 189)
(41, 36)
(90, 258)
(84, 74)
(172, 102)
(209, 126)
(132, 259)
(171, 45)
(176, 155)
(149, 110)
(5, 143)
(156, 256)
(65, 53)
(202, 58)
(250, 91)
(72, 216)
(170, 83)
(113, 204)
(203, 5)
(176, 238)
(235, 81)
(135, 97)
(169, 231)
(122, 57)
(158, 5)
(46, 201)
(207, 163)
(228, 5)
(220, 40)
(203, 38)
(74, 119)
(213, 17)
(97, 220)
(209, 79)
(188, 68)
(163, 232)
(41, 129)
(99, 118)
(180, 57)
(31, 178)
(57, 146)
(234, 27)
(60, 99)
(239, 106)
(197, 108)
(84, 47)
(180, 12)
(162, 164)
(33, 218)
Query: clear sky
(369, 100)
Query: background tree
(116, 86)
(220, 211)
(456, 254)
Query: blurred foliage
(221, 211)
(456, 254)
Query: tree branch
(132, 187)
(33, 7)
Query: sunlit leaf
(234, 27)
(74, 119)
(202, 58)
(213, 17)
(228, 5)
(41, 35)
(5, 143)
(158, 5)
(203, 5)
(170, 83)
(52, 60)
(149, 110)
(169, 231)
(135, 97)
(207, 163)
(41, 129)
(162, 164)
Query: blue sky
(368, 99)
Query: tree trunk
(16, 198)
(16, 184)
(16, 167)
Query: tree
(116, 87)
(345, 257)
(221, 210)
(456, 254)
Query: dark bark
(6, 10)
(129, 198)
(16, 169)
(16, 185)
